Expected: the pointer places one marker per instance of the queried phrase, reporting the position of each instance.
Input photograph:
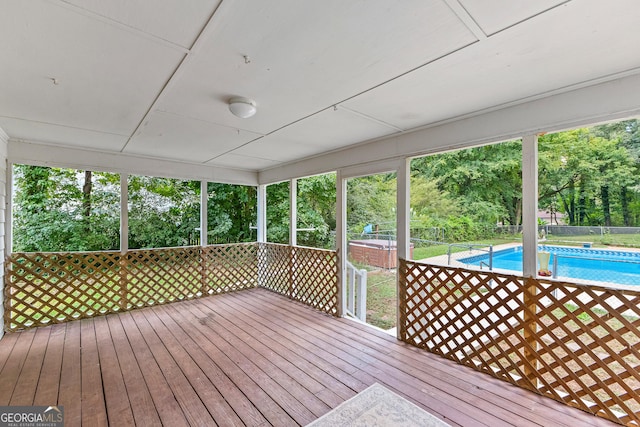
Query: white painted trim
(341, 240)
(3, 136)
(403, 183)
(583, 106)
(529, 205)
(124, 213)
(373, 168)
(8, 211)
(7, 208)
(466, 19)
(262, 213)
(403, 239)
(38, 154)
(204, 223)
(293, 212)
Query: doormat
(378, 407)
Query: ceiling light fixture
(242, 107)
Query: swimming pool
(602, 265)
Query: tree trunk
(582, 206)
(606, 206)
(86, 200)
(569, 204)
(624, 200)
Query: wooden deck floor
(247, 358)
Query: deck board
(246, 358)
(49, 384)
(144, 410)
(94, 411)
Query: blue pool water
(589, 264)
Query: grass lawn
(381, 298)
(599, 241)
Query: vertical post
(6, 175)
(204, 223)
(529, 252)
(341, 240)
(402, 225)
(124, 239)
(529, 205)
(262, 213)
(362, 294)
(8, 211)
(262, 231)
(293, 212)
(293, 233)
(351, 289)
(204, 199)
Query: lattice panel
(230, 268)
(158, 276)
(46, 288)
(274, 267)
(304, 274)
(575, 343)
(315, 278)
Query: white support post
(8, 211)
(204, 199)
(6, 174)
(530, 254)
(403, 243)
(262, 213)
(124, 213)
(403, 201)
(293, 212)
(341, 241)
(529, 205)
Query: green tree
(163, 212)
(486, 181)
(371, 200)
(587, 173)
(316, 202)
(52, 213)
(278, 212)
(232, 213)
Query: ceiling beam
(32, 153)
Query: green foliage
(484, 181)
(231, 213)
(163, 212)
(316, 199)
(371, 200)
(49, 215)
(591, 175)
(278, 213)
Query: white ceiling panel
(306, 56)
(35, 131)
(181, 138)
(176, 21)
(495, 15)
(548, 53)
(243, 162)
(277, 148)
(333, 128)
(61, 67)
